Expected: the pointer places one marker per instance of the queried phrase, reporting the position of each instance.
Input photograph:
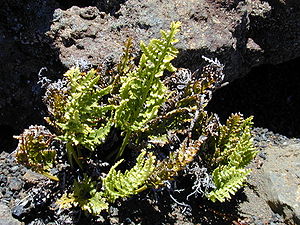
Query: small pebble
(5, 172)
(262, 155)
(14, 169)
(15, 184)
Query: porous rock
(6, 217)
(52, 34)
(241, 35)
(281, 181)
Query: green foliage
(117, 184)
(234, 150)
(81, 119)
(142, 92)
(161, 118)
(82, 122)
(86, 196)
(228, 180)
(35, 151)
(234, 146)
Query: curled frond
(35, 151)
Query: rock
(243, 37)
(15, 184)
(52, 34)
(21, 210)
(23, 54)
(281, 181)
(32, 177)
(6, 217)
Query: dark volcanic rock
(24, 51)
(241, 36)
(36, 34)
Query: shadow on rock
(270, 93)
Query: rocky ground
(277, 165)
(242, 34)
(26, 196)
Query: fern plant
(115, 185)
(142, 91)
(233, 152)
(35, 150)
(131, 182)
(162, 119)
(81, 121)
(85, 194)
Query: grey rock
(14, 169)
(6, 217)
(281, 181)
(15, 184)
(5, 172)
(21, 210)
(32, 177)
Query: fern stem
(50, 176)
(125, 142)
(72, 155)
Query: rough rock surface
(53, 34)
(241, 35)
(274, 183)
(23, 52)
(6, 217)
(281, 181)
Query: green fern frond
(86, 196)
(83, 119)
(97, 203)
(234, 145)
(83, 114)
(142, 91)
(234, 150)
(117, 184)
(228, 180)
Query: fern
(86, 196)
(142, 91)
(82, 112)
(131, 182)
(234, 145)
(234, 150)
(149, 111)
(35, 151)
(227, 180)
(168, 168)
(82, 120)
